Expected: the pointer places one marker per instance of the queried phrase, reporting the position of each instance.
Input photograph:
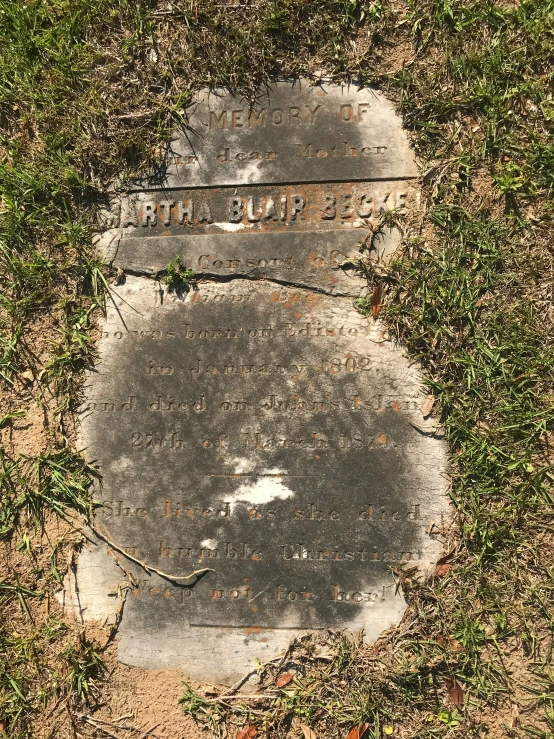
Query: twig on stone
(118, 616)
(289, 649)
(148, 568)
(125, 571)
(237, 685)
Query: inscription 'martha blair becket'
(258, 428)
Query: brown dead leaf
(26, 377)
(308, 733)
(284, 679)
(247, 732)
(441, 570)
(484, 299)
(358, 731)
(532, 215)
(376, 300)
(456, 693)
(455, 644)
(427, 406)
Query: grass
(57, 482)
(176, 276)
(33, 676)
(88, 90)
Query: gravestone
(255, 428)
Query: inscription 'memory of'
(274, 117)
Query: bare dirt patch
(134, 704)
(152, 697)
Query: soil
(134, 704)
(150, 700)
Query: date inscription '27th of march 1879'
(257, 425)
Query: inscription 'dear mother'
(290, 133)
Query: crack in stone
(207, 278)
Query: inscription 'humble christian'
(258, 426)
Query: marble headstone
(256, 427)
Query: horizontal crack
(143, 186)
(209, 277)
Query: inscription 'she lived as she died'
(262, 429)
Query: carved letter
(362, 110)
(205, 213)
(166, 206)
(381, 202)
(269, 209)
(235, 210)
(303, 152)
(236, 119)
(294, 114)
(256, 118)
(252, 217)
(149, 216)
(129, 215)
(297, 204)
(313, 111)
(216, 122)
(185, 211)
(328, 207)
(346, 113)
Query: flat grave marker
(257, 426)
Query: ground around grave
(88, 90)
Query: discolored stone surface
(312, 238)
(272, 435)
(257, 426)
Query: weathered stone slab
(310, 234)
(311, 259)
(294, 181)
(257, 427)
(274, 436)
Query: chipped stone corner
(93, 589)
(107, 244)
